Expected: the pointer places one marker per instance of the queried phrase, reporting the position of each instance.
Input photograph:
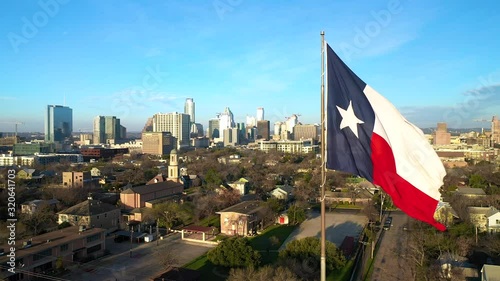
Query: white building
(178, 124)
(260, 113)
(291, 122)
(251, 122)
(226, 121)
(189, 109)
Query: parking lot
(339, 224)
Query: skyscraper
(213, 128)
(441, 135)
(107, 129)
(260, 113)
(495, 130)
(263, 129)
(58, 123)
(226, 121)
(189, 109)
(176, 123)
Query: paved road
(141, 266)
(338, 225)
(389, 261)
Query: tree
(169, 214)
(477, 181)
(306, 254)
(213, 178)
(296, 214)
(276, 205)
(37, 221)
(234, 252)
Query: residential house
(470, 192)
(242, 219)
(43, 252)
(78, 180)
(92, 213)
(240, 185)
(445, 214)
(29, 174)
(454, 267)
(490, 272)
(95, 172)
(485, 218)
(34, 206)
(493, 224)
(282, 192)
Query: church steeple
(173, 166)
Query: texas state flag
(367, 136)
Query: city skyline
(433, 66)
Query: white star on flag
(349, 119)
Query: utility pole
(157, 232)
(381, 205)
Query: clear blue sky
(435, 60)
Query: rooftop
(48, 240)
(145, 189)
(492, 272)
(246, 207)
(470, 191)
(89, 207)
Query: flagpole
(323, 162)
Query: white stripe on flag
(416, 160)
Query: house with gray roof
(92, 213)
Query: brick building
(42, 253)
(136, 197)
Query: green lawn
(210, 221)
(205, 267)
(259, 243)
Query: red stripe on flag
(405, 196)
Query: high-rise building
(263, 129)
(58, 123)
(306, 131)
(251, 122)
(213, 128)
(196, 130)
(107, 130)
(291, 122)
(226, 121)
(260, 114)
(231, 137)
(189, 109)
(157, 143)
(441, 135)
(277, 128)
(495, 130)
(176, 123)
